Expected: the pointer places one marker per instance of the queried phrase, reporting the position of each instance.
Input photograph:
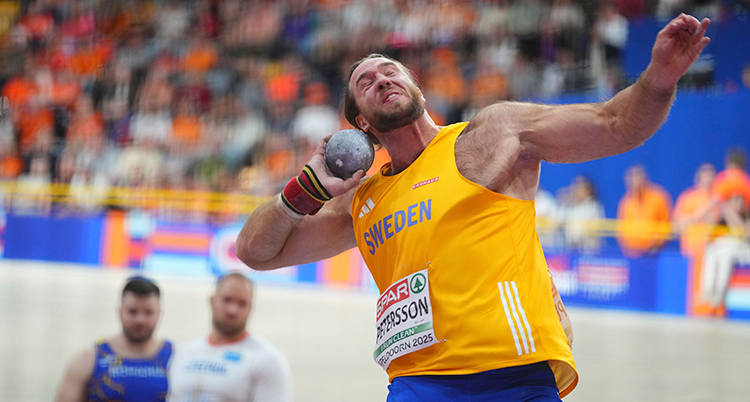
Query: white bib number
(404, 319)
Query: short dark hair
(237, 275)
(586, 180)
(351, 109)
(736, 157)
(141, 286)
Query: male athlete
(129, 366)
(447, 229)
(230, 364)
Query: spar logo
(417, 283)
(399, 291)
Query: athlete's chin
(138, 336)
(397, 119)
(231, 330)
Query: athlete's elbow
(252, 261)
(630, 137)
(250, 255)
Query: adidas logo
(369, 205)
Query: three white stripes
(369, 205)
(516, 316)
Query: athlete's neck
(405, 144)
(127, 348)
(218, 338)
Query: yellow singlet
(477, 252)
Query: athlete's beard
(385, 122)
(133, 337)
(229, 330)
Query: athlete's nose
(383, 81)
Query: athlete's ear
(362, 123)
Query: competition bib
(404, 319)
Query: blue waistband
(533, 382)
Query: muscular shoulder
(82, 364)
(86, 356)
(489, 152)
(77, 375)
(507, 118)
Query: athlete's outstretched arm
(73, 385)
(272, 238)
(578, 133)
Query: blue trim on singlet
(129, 380)
(529, 383)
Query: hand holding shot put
(306, 195)
(453, 213)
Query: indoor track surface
(50, 311)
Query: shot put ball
(348, 151)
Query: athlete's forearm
(271, 238)
(638, 111)
(264, 235)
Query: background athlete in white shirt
(230, 364)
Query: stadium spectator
(694, 210)
(610, 32)
(580, 217)
(643, 214)
(730, 244)
(85, 123)
(11, 164)
(733, 179)
(315, 119)
(126, 54)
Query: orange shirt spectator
(694, 210)
(445, 79)
(86, 122)
(201, 57)
(11, 164)
(489, 85)
(117, 23)
(283, 88)
(188, 129)
(86, 127)
(643, 215)
(732, 181)
(33, 123)
(65, 91)
(19, 90)
(38, 23)
(279, 159)
(90, 60)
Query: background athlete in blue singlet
(128, 366)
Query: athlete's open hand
(677, 46)
(334, 185)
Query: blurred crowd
(711, 218)
(232, 96)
